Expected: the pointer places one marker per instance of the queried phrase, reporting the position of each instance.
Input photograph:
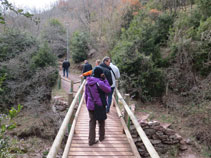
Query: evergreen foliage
(55, 35)
(191, 34)
(13, 42)
(205, 7)
(79, 46)
(142, 41)
(43, 58)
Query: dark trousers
(110, 99)
(65, 70)
(92, 127)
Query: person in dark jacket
(91, 91)
(108, 73)
(107, 69)
(87, 67)
(65, 66)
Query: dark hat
(97, 72)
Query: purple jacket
(91, 82)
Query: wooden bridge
(118, 141)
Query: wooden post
(126, 117)
(117, 84)
(59, 82)
(70, 98)
(71, 120)
(82, 79)
(71, 86)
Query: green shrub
(137, 54)
(201, 57)
(79, 46)
(7, 123)
(205, 27)
(43, 58)
(13, 42)
(162, 25)
(54, 33)
(205, 7)
(139, 73)
(185, 25)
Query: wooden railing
(57, 142)
(118, 97)
(69, 140)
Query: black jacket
(87, 67)
(66, 64)
(107, 72)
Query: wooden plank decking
(115, 144)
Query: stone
(182, 142)
(154, 136)
(179, 137)
(170, 142)
(174, 137)
(188, 141)
(183, 147)
(54, 108)
(91, 52)
(149, 131)
(161, 150)
(155, 141)
(134, 135)
(169, 132)
(159, 133)
(157, 128)
(136, 139)
(139, 144)
(60, 108)
(132, 127)
(154, 123)
(166, 125)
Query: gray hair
(106, 58)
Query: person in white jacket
(115, 75)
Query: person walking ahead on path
(65, 66)
(87, 67)
(89, 73)
(115, 75)
(107, 69)
(95, 87)
(108, 73)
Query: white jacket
(116, 72)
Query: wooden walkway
(115, 144)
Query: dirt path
(65, 82)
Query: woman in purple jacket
(99, 80)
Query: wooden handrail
(69, 140)
(151, 150)
(57, 142)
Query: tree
(54, 34)
(79, 46)
(13, 42)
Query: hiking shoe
(90, 144)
